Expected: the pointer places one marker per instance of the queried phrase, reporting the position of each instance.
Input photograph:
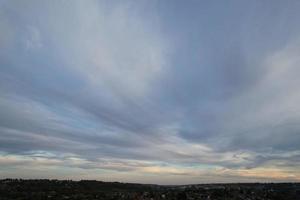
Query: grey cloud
(123, 84)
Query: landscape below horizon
(166, 92)
(11, 189)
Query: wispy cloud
(200, 92)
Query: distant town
(19, 189)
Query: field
(12, 189)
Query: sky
(160, 91)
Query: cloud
(144, 91)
